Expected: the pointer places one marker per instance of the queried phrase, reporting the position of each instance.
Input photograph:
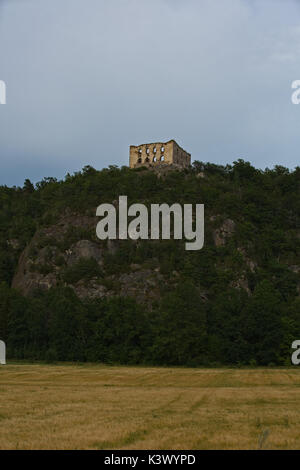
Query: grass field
(99, 407)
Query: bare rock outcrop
(241, 283)
(84, 249)
(48, 257)
(226, 230)
(26, 280)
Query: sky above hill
(87, 78)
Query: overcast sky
(87, 78)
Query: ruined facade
(158, 153)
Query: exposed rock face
(92, 290)
(39, 266)
(252, 265)
(55, 250)
(26, 280)
(43, 267)
(141, 284)
(221, 234)
(295, 268)
(14, 243)
(69, 222)
(241, 283)
(83, 249)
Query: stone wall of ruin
(158, 153)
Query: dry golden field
(100, 407)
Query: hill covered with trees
(66, 295)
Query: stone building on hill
(158, 153)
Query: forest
(234, 302)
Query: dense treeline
(182, 330)
(203, 319)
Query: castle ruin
(158, 153)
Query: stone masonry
(158, 153)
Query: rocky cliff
(68, 253)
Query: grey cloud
(85, 79)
